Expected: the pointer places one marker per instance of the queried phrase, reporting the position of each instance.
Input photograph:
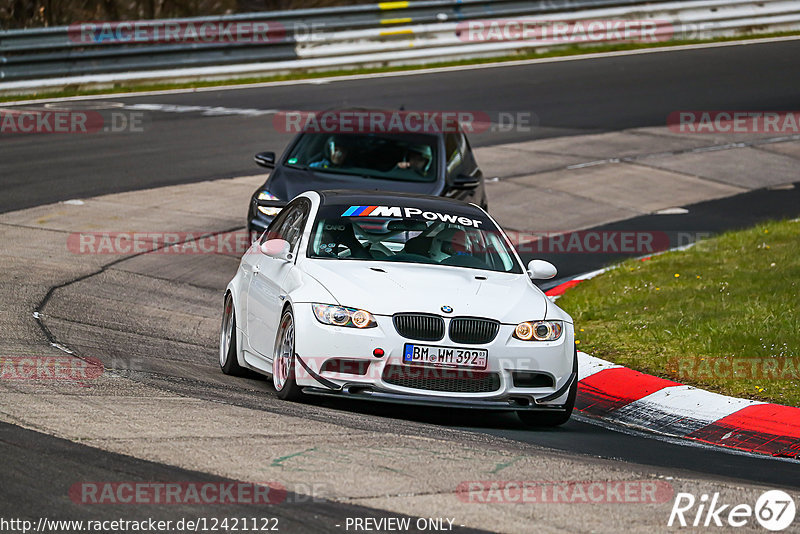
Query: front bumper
(511, 403)
(317, 343)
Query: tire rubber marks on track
(679, 410)
(765, 428)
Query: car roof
(367, 197)
(331, 196)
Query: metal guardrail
(362, 35)
(46, 52)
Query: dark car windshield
(411, 235)
(401, 157)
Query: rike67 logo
(774, 510)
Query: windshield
(411, 235)
(402, 157)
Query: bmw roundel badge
(447, 309)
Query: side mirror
(462, 181)
(265, 159)
(278, 249)
(541, 270)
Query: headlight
(270, 212)
(539, 330)
(340, 316)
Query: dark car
(439, 164)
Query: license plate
(445, 356)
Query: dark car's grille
(441, 379)
(473, 331)
(419, 326)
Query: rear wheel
(283, 360)
(228, 353)
(555, 418)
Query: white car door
(266, 293)
(246, 267)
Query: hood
(287, 183)
(405, 287)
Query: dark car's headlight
(341, 316)
(269, 212)
(539, 330)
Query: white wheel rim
(284, 353)
(226, 331)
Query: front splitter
(430, 400)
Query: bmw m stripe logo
(358, 211)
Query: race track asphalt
(561, 98)
(567, 98)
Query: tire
(228, 353)
(556, 418)
(283, 360)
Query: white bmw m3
(399, 298)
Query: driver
(335, 155)
(417, 158)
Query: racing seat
(420, 245)
(339, 233)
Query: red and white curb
(637, 400)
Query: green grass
(731, 303)
(567, 50)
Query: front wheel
(283, 360)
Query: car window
(454, 146)
(398, 157)
(292, 229)
(289, 223)
(273, 230)
(457, 239)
